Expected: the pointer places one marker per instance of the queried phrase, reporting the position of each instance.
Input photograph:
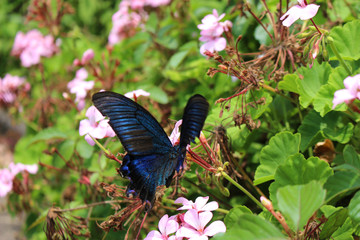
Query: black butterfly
(151, 159)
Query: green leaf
(190, 70)
(27, 153)
(290, 83)
(84, 149)
(258, 109)
(315, 128)
(351, 158)
(252, 227)
(354, 208)
(158, 94)
(234, 216)
(345, 40)
(48, 134)
(297, 170)
(340, 183)
(334, 221)
(312, 79)
(280, 147)
(177, 58)
(347, 177)
(323, 99)
(344, 232)
(66, 148)
(298, 203)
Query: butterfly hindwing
(194, 116)
(138, 131)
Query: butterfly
(151, 159)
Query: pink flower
(19, 167)
(6, 178)
(125, 21)
(175, 134)
(137, 93)
(87, 56)
(166, 227)
(30, 47)
(157, 3)
(7, 175)
(196, 222)
(96, 125)
(11, 86)
(211, 31)
(210, 25)
(302, 11)
(199, 205)
(350, 93)
(217, 44)
(79, 87)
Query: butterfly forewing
(138, 131)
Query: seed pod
(306, 51)
(325, 54)
(224, 191)
(304, 34)
(329, 39)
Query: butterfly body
(151, 159)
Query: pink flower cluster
(87, 56)
(350, 93)
(7, 175)
(211, 32)
(302, 11)
(128, 18)
(191, 224)
(10, 86)
(95, 126)
(30, 47)
(79, 87)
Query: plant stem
(100, 145)
(271, 89)
(87, 206)
(224, 174)
(315, 26)
(341, 60)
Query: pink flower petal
(154, 235)
(211, 206)
(352, 84)
(171, 227)
(204, 218)
(162, 223)
(89, 140)
(214, 228)
(191, 217)
(200, 202)
(187, 232)
(309, 11)
(137, 93)
(292, 15)
(342, 95)
(87, 56)
(175, 135)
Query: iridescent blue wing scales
(151, 159)
(137, 129)
(194, 117)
